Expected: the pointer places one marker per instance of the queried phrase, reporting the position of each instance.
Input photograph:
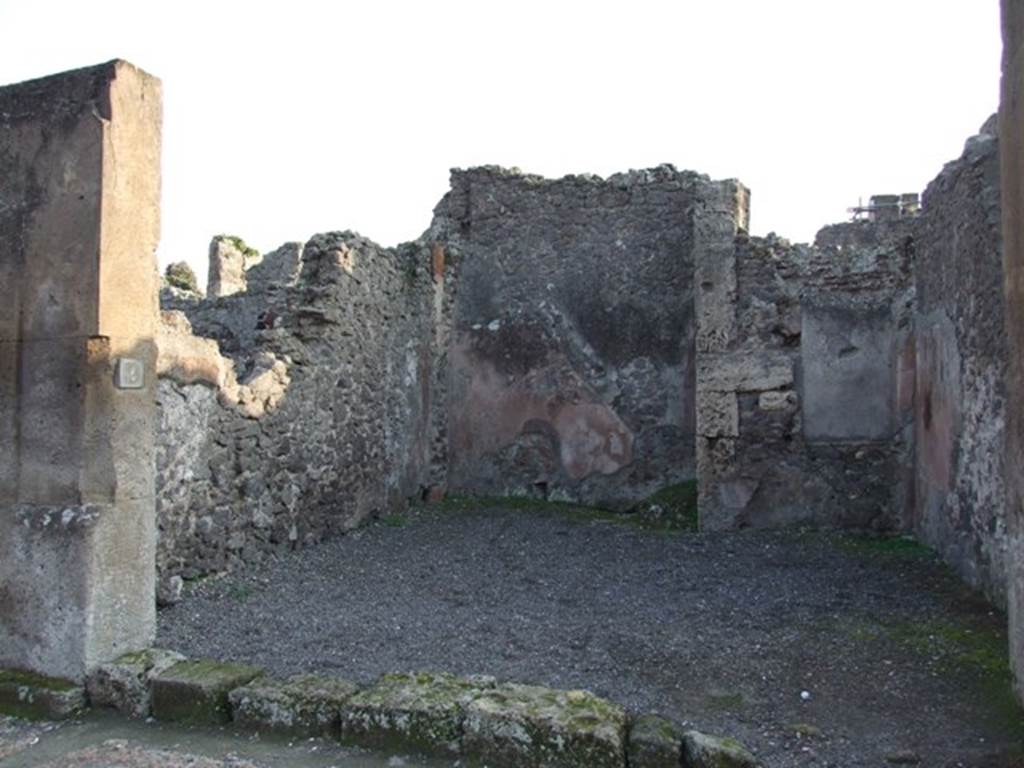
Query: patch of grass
(240, 591)
(977, 654)
(805, 730)
(901, 547)
(673, 507)
(250, 253)
(726, 702)
(394, 521)
(679, 496)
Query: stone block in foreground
(421, 712)
(655, 742)
(301, 706)
(35, 697)
(524, 725)
(703, 751)
(197, 691)
(125, 683)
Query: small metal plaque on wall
(129, 374)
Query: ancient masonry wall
(1011, 118)
(317, 415)
(79, 224)
(572, 351)
(802, 410)
(961, 351)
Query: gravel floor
(813, 649)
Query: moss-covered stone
(304, 705)
(526, 725)
(421, 712)
(124, 684)
(654, 742)
(197, 691)
(37, 697)
(703, 751)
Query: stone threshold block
(301, 706)
(421, 712)
(703, 751)
(196, 691)
(654, 742)
(125, 683)
(36, 697)
(524, 725)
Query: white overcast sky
(288, 118)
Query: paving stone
(420, 712)
(197, 691)
(703, 751)
(655, 742)
(304, 705)
(525, 725)
(124, 684)
(36, 697)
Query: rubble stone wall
(310, 413)
(961, 350)
(798, 402)
(572, 354)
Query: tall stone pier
(1011, 135)
(79, 224)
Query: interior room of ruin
(581, 343)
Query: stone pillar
(79, 224)
(1011, 143)
(723, 214)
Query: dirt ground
(812, 648)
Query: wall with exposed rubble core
(306, 410)
(572, 354)
(597, 340)
(803, 411)
(962, 356)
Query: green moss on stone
(246, 250)
(304, 705)
(654, 742)
(38, 697)
(515, 725)
(420, 712)
(196, 691)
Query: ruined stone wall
(961, 348)
(1011, 118)
(317, 415)
(572, 356)
(799, 409)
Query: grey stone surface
(701, 750)
(421, 712)
(196, 690)
(80, 181)
(848, 367)
(799, 413)
(301, 706)
(654, 742)
(961, 375)
(347, 362)
(124, 684)
(1011, 115)
(229, 259)
(37, 697)
(572, 355)
(515, 725)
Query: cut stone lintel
(79, 225)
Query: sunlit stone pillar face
(79, 224)
(1011, 136)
